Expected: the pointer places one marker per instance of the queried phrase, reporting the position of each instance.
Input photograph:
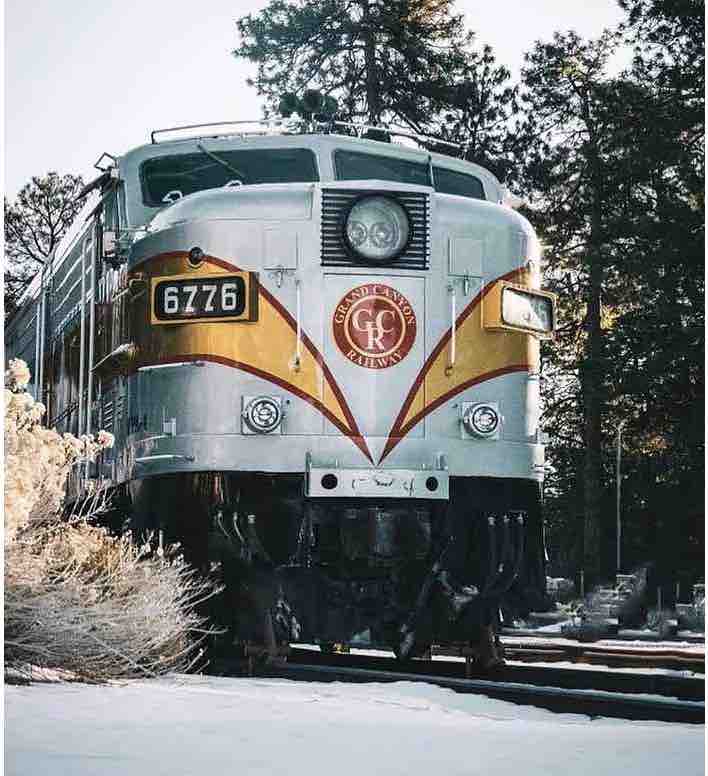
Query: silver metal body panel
(517, 454)
(207, 400)
(274, 230)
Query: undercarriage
(399, 573)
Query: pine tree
(657, 344)
(568, 102)
(35, 222)
(380, 60)
(478, 107)
(616, 167)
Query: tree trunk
(592, 377)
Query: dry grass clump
(78, 600)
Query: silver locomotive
(319, 355)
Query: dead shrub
(77, 599)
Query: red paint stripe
(397, 432)
(353, 431)
(319, 358)
(356, 439)
(394, 439)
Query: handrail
(266, 122)
(303, 126)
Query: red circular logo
(374, 326)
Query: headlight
(527, 310)
(262, 414)
(482, 420)
(377, 229)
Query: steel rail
(680, 687)
(614, 655)
(592, 703)
(590, 692)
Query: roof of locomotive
(321, 142)
(323, 145)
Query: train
(318, 350)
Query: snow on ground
(204, 725)
(567, 665)
(619, 645)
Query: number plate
(188, 298)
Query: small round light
(377, 229)
(195, 257)
(481, 420)
(263, 414)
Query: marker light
(527, 310)
(482, 420)
(377, 229)
(263, 414)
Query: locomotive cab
(319, 355)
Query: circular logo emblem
(374, 326)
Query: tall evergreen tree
(35, 222)
(478, 106)
(617, 168)
(568, 101)
(657, 344)
(381, 60)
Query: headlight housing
(377, 229)
(527, 310)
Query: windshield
(166, 179)
(354, 165)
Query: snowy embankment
(204, 725)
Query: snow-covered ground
(204, 725)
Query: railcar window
(197, 171)
(110, 211)
(459, 183)
(353, 165)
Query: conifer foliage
(380, 59)
(35, 222)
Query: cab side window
(110, 211)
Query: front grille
(335, 206)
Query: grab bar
(453, 331)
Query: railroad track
(595, 693)
(610, 655)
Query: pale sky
(86, 77)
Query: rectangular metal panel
(378, 483)
(280, 248)
(466, 256)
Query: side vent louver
(335, 206)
